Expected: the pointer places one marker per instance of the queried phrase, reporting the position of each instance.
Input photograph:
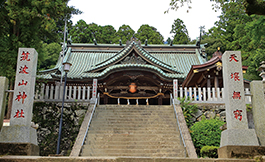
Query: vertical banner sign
(175, 88)
(22, 106)
(94, 93)
(236, 115)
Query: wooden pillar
(105, 99)
(216, 84)
(208, 82)
(160, 101)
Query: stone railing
(206, 95)
(54, 93)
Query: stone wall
(218, 110)
(47, 117)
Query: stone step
(107, 119)
(107, 146)
(135, 110)
(135, 123)
(140, 118)
(174, 155)
(133, 137)
(118, 142)
(131, 117)
(132, 151)
(133, 128)
(132, 132)
(135, 106)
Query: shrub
(188, 110)
(206, 133)
(209, 151)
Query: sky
(138, 12)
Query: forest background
(40, 25)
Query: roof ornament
(133, 39)
(95, 41)
(146, 41)
(218, 53)
(69, 40)
(171, 42)
(120, 42)
(133, 60)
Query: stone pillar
(258, 104)
(3, 93)
(237, 132)
(20, 130)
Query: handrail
(173, 103)
(88, 125)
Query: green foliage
(206, 133)
(180, 32)
(188, 110)
(150, 33)
(50, 55)
(27, 23)
(209, 151)
(82, 32)
(124, 34)
(250, 6)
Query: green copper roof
(98, 63)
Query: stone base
(18, 134)
(19, 149)
(239, 137)
(247, 152)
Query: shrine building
(128, 71)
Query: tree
(108, 34)
(26, 23)
(124, 34)
(251, 40)
(250, 6)
(180, 32)
(149, 33)
(81, 32)
(50, 55)
(168, 41)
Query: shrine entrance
(134, 88)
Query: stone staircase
(131, 130)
